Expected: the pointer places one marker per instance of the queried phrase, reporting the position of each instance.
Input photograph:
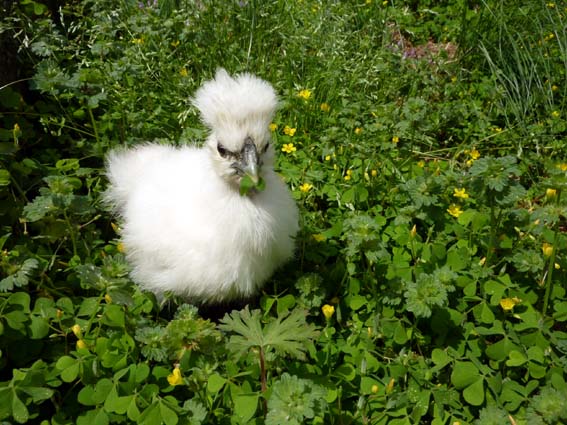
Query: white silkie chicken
(185, 226)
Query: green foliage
(430, 173)
(294, 401)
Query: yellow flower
(556, 266)
(289, 130)
(562, 166)
(373, 173)
(374, 389)
(319, 237)
(508, 304)
(421, 164)
(325, 107)
(305, 94)
(328, 311)
(358, 131)
(454, 79)
(348, 175)
(455, 210)
(175, 43)
(554, 88)
(497, 129)
(138, 40)
(80, 344)
(555, 114)
(550, 193)
(547, 249)
(327, 157)
(390, 386)
(288, 148)
(77, 330)
(461, 193)
(183, 72)
(273, 127)
(175, 377)
(474, 154)
(395, 139)
(108, 299)
(305, 187)
(551, 5)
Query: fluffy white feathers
(185, 227)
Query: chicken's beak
(251, 160)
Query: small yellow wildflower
(550, 193)
(556, 266)
(305, 187)
(290, 131)
(461, 193)
(395, 139)
(474, 154)
(373, 173)
(555, 114)
(319, 237)
(327, 157)
(175, 377)
(497, 129)
(454, 79)
(76, 328)
(374, 389)
(554, 88)
(385, 3)
(175, 43)
(80, 344)
(138, 40)
(455, 210)
(547, 249)
(288, 148)
(413, 231)
(348, 175)
(390, 386)
(551, 5)
(108, 299)
(421, 164)
(183, 72)
(335, 167)
(328, 311)
(273, 127)
(562, 166)
(325, 107)
(508, 304)
(366, 175)
(305, 94)
(358, 131)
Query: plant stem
(263, 379)
(550, 267)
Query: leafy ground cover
(425, 143)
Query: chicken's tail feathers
(123, 170)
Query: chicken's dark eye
(222, 150)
